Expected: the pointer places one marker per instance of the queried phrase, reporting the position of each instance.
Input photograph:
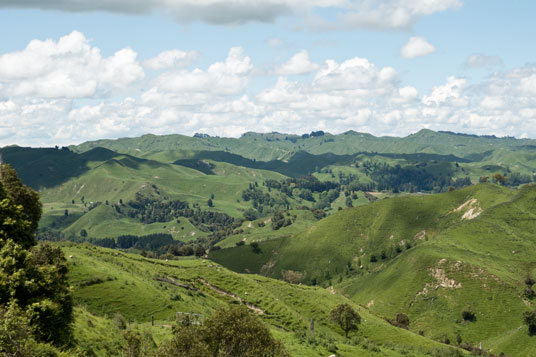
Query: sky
(79, 70)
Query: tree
(20, 194)
(498, 178)
(346, 317)
(210, 203)
(16, 335)
(228, 332)
(529, 318)
(32, 277)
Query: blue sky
(76, 71)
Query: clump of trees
(280, 221)
(150, 210)
(229, 332)
(36, 307)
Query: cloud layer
(381, 14)
(65, 91)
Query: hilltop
(277, 146)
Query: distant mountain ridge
(279, 146)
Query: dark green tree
(346, 317)
(529, 318)
(33, 278)
(19, 194)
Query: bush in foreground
(231, 332)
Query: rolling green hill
(455, 263)
(431, 257)
(106, 282)
(276, 146)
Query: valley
(436, 227)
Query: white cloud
(527, 85)
(447, 94)
(171, 59)
(357, 75)
(492, 103)
(68, 68)
(406, 95)
(225, 98)
(479, 60)
(282, 92)
(221, 78)
(298, 64)
(417, 47)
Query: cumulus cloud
(170, 59)
(67, 68)
(417, 47)
(221, 78)
(298, 64)
(449, 93)
(479, 60)
(382, 14)
(224, 99)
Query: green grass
(453, 264)
(106, 282)
(261, 229)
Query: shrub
(468, 315)
(231, 332)
(529, 318)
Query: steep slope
(430, 257)
(478, 265)
(349, 238)
(107, 282)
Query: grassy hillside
(106, 282)
(434, 257)
(176, 167)
(353, 235)
(105, 184)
